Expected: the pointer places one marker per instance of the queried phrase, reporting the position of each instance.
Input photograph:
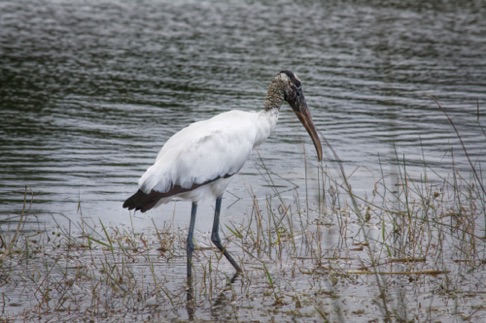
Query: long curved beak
(302, 111)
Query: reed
(409, 249)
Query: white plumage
(198, 162)
(205, 151)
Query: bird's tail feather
(143, 201)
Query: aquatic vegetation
(409, 249)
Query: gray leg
(190, 242)
(215, 235)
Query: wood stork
(199, 161)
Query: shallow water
(90, 90)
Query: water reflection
(219, 308)
(91, 90)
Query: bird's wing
(202, 152)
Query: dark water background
(90, 90)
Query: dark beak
(302, 111)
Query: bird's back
(203, 152)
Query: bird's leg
(215, 235)
(190, 243)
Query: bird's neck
(266, 122)
(275, 96)
(269, 116)
(273, 103)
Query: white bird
(199, 161)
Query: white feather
(207, 150)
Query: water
(90, 90)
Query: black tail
(143, 201)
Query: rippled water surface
(90, 90)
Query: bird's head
(291, 86)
